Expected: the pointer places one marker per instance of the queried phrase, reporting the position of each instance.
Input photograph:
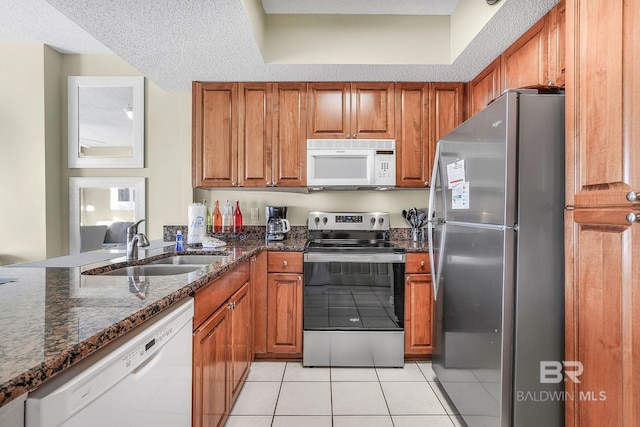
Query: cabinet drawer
(210, 297)
(284, 262)
(417, 263)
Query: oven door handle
(361, 258)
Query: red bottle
(237, 218)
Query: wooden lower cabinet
(241, 342)
(259, 289)
(284, 313)
(284, 303)
(418, 306)
(211, 393)
(222, 350)
(602, 317)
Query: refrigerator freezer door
(472, 341)
(481, 154)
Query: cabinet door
(602, 320)
(418, 311)
(254, 135)
(557, 42)
(241, 343)
(373, 110)
(289, 135)
(215, 134)
(603, 103)
(259, 291)
(484, 88)
(447, 112)
(329, 110)
(284, 313)
(211, 355)
(412, 135)
(524, 63)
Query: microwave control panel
(385, 168)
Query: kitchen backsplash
(258, 232)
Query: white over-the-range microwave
(346, 164)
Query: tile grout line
(273, 417)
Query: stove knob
(324, 220)
(373, 221)
(381, 220)
(316, 219)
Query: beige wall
(22, 153)
(370, 39)
(167, 141)
(35, 176)
(393, 201)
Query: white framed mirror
(106, 122)
(100, 210)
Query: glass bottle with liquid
(216, 218)
(209, 222)
(237, 218)
(227, 218)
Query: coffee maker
(277, 224)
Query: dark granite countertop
(52, 317)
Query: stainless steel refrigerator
(497, 254)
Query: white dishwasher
(142, 379)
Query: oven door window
(353, 296)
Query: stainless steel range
(353, 292)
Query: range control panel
(378, 221)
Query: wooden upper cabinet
(412, 134)
(524, 63)
(557, 30)
(214, 134)
(249, 134)
(373, 110)
(424, 112)
(254, 134)
(329, 111)
(603, 103)
(484, 88)
(289, 142)
(447, 112)
(351, 110)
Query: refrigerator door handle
(431, 220)
(432, 198)
(434, 280)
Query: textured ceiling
(361, 7)
(174, 42)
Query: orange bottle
(216, 219)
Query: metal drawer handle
(423, 263)
(632, 217)
(632, 197)
(285, 263)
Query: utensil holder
(417, 234)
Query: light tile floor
(286, 394)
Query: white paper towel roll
(197, 223)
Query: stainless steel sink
(189, 259)
(152, 270)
